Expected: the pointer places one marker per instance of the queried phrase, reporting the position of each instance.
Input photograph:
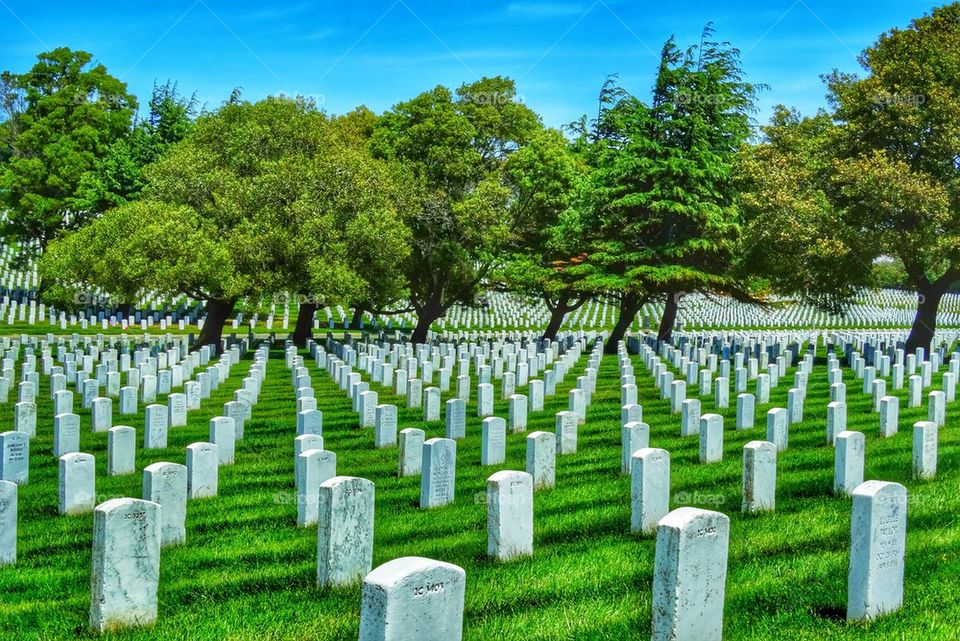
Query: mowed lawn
(247, 571)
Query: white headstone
(166, 484)
(344, 531)
(413, 599)
(649, 488)
(439, 472)
(848, 462)
(542, 459)
(759, 476)
(411, 451)
(202, 470)
(509, 515)
(878, 530)
(76, 483)
(689, 575)
(126, 564)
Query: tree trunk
(556, 319)
(304, 328)
(425, 318)
(357, 320)
(218, 310)
(669, 318)
(125, 309)
(629, 306)
(925, 322)
(557, 312)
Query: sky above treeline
(380, 52)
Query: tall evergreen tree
(662, 189)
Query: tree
(119, 175)
(882, 169)
(379, 262)
(545, 177)
(74, 110)
(897, 177)
(663, 200)
(795, 241)
(455, 144)
(346, 237)
(258, 199)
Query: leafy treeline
(455, 192)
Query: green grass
(247, 571)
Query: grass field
(247, 572)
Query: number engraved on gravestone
(706, 530)
(135, 515)
(430, 588)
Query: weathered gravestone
(76, 481)
(541, 459)
(878, 530)
(925, 437)
(66, 434)
(411, 451)
(455, 419)
(202, 470)
(633, 436)
(385, 426)
(177, 409)
(223, 434)
(689, 575)
(413, 599)
(848, 462)
(344, 531)
(15, 457)
(126, 564)
(565, 427)
(166, 484)
(493, 441)
(649, 488)
(438, 476)
(8, 523)
(155, 425)
(121, 450)
(101, 413)
(314, 468)
(759, 476)
(711, 438)
(509, 515)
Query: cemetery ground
(246, 571)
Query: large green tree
(73, 112)
(875, 178)
(456, 143)
(795, 240)
(119, 175)
(258, 199)
(664, 206)
(545, 178)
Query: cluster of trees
(455, 192)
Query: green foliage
(258, 198)
(794, 238)
(546, 178)
(662, 201)
(455, 144)
(876, 178)
(73, 112)
(897, 176)
(119, 176)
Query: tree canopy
(72, 112)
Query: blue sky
(379, 52)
